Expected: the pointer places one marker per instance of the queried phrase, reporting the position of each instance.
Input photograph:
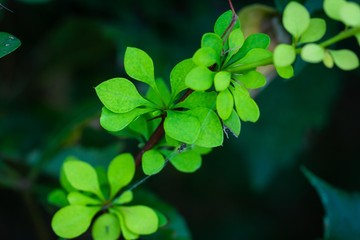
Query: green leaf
(285, 72)
(139, 65)
(198, 99)
(57, 197)
(187, 162)
(342, 209)
(199, 78)
(139, 219)
(332, 8)
(345, 59)
(211, 134)
(236, 40)
(284, 55)
(119, 95)
(125, 197)
(224, 104)
(125, 230)
(312, 53)
(328, 60)
(315, 31)
(251, 80)
(350, 14)
(223, 22)
(152, 162)
(82, 176)
(161, 97)
(182, 126)
(205, 56)
(296, 19)
(8, 43)
(140, 126)
(357, 36)
(114, 122)
(78, 198)
(120, 172)
(213, 41)
(222, 80)
(106, 227)
(245, 106)
(178, 75)
(72, 221)
(233, 123)
(254, 55)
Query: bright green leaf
(139, 65)
(72, 221)
(233, 123)
(328, 60)
(114, 122)
(178, 75)
(350, 14)
(140, 219)
(106, 227)
(223, 22)
(284, 55)
(224, 104)
(152, 162)
(312, 53)
(253, 56)
(342, 209)
(332, 8)
(125, 197)
(161, 96)
(119, 95)
(78, 198)
(315, 31)
(213, 41)
(182, 126)
(57, 197)
(124, 229)
(140, 126)
(222, 80)
(120, 172)
(8, 43)
(211, 134)
(236, 40)
(296, 19)
(285, 72)
(198, 99)
(82, 176)
(205, 56)
(199, 79)
(245, 106)
(345, 59)
(187, 162)
(251, 80)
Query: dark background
(252, 188)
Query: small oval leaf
(200, 79)
(345, 59)
(315, 31)
(284, 55)
(106, 227)
(224, 104)
(296, 19)
(152, 162)
(187, 162)
(120, 172)
(312, 53)
(140, 219)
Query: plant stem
(341, 36)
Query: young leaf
(78, 198)
(200, 78)
(223, 22)
(106, 227)
(222, 80)
(152, 162)
(72, 221)
(285, 72)
(8, 43)
(245, 106)
(315, 31)
(254, 55)
(345, 59)
(187, 162)
(211, 134)
(233, 123)
(312, 53)
(139, 219)
(198, 99)
(182, 126)
(284, 55)
(125, 197)
(236, 40)
(350, 14)
(139, 65)
(124, 229)
(342, 209)
(332, 8)
(82, 176)
(328, 60)
(205, 56)
(296, 19)
(251, 80)
(119, 95)
(178, 75)
(120, 172)
(161, 97)
(224, 104)
(213, 41)
(115, 122)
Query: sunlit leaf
(161, 96)
(78, 198)
(199, 99)
(233, 123)
(315, 31)
(213, 41)
(8, 43)
(255, 55)
(200, 79)
(124, 229)
(224, 104)
(205, 56)
(222, 80)
(120, 172)
(296, 19)
(223, 22)
(245, 106)
(72, 221)
(285, 72)
(333, 7)
(236, 40)
(328, 60)
(251, 80)
(350, 14)
(106, 227)
(152, 162)
(125, 197)
(140, 219)
(284, 55)
(345, 59)
(178, 75)
(119, 95)
(312, 53)
(187, 162)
